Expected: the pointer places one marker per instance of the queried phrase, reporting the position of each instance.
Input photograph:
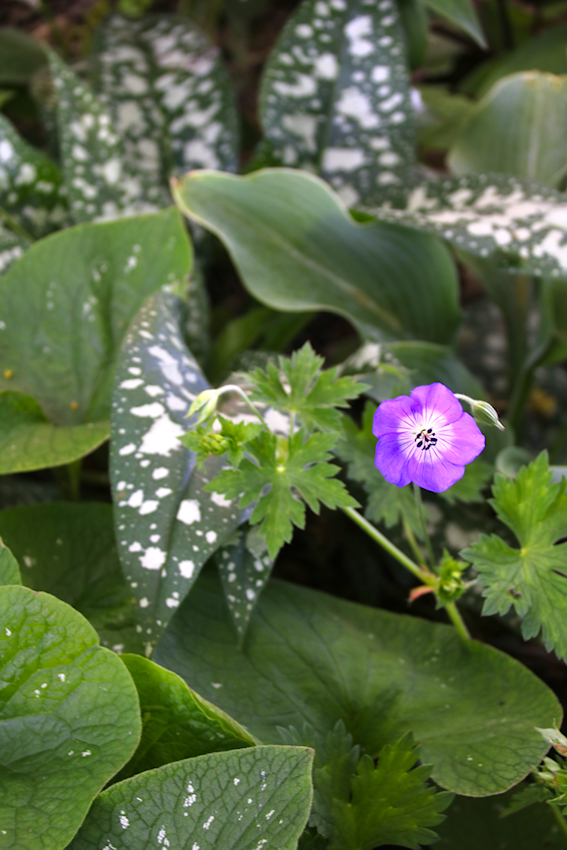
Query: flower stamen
(425, 439)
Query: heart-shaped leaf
(473, 709)
(69, 719)
(241, 800)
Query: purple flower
(426, 438)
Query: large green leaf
(518, 128)
(100, 180)
(176, 722)
(472, 708)
(472, 824)
(69, 719)
(522, 224)
(12, 247)
(66, 304)
(20, 56)
(9, 569)
(30, 184)
(463, 14)
(297, 248)
(335, 98)
(72, 554)
(29, 441)
(166, 526)
(240, 800)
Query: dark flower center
(425, 439)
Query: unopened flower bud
(204, 405)
(482, 411)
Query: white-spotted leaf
(31, 185)
(69, 719)
(252, 799)
(524, 224)
(100, 181)
(335, 98)
(167, 527)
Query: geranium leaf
(381, 673)
(57, 685)
(335, 98)
(167, 527)
(72, 555)
(176, 722)
(239, 800)
(532, 578)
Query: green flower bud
(205, 405)
(483, 412)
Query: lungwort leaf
(31, 188)
(66, 304)
(335, 98)
(532, 578)
(69, 719)
(297, 249)
(241, 800)
(72, 555)
(472, 708)
(167, 527)
(524, 225)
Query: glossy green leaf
(66, 304)
(176, 722)
(9, 569)
(11, 248)
(101, 182)
(166, 526)
(57, 687)
(297, 248)
(240, 800)
(29, 441)
(440, 120)
(522, 225)
(20, 56)
(463, 14)
(72, 555)
(335, 98)
(518, 128)
(472, 708)
(472, 824)
(244, 566)
(31, 187)
(533, 577)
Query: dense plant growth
(399, 207)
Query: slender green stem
(378, 537)
(421, 512)
(561, 823)
(413, 543)
(15, 226)
(74, 479)
(233, 388)
(457, 620)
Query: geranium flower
(425, 438)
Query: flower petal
(393, 414)
(433, 472)
(461, 441)
(391, 460)
(437, 402)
